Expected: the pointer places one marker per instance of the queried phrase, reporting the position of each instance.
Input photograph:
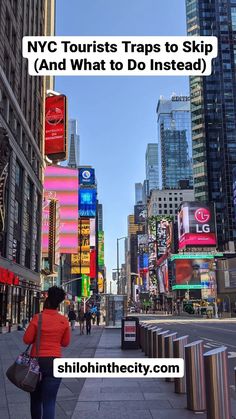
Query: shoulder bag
(25, 372)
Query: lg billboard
(196, 225)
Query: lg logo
(202, 215)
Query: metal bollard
(142, 336)
(160, 340)
(145, 338)
(217, 384)
(234, 378)
(153, 331)
(195, 378)
(149, 340)
(179, 352)
(169, 352)
(155, 342)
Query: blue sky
(117, 115)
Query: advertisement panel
(196, 225)
(101, 249)
(142, 243)
(61, 184)
(93, 264)
(140, 214)
(163, 277)
(92, 232)
(193, 273)
(87, 202)
(80, 262)
(86, 176)
(161, 231)
(56, 127)
(85, 286)
(101, 282)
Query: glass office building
(213, 110)
(152, 167)
(73, 145)
(174, 142)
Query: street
(214, 333)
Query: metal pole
(161, 347)
(169, 352)
(155, 342)
(195, 378)
(217, 384)
(118, 269)
(179, 352)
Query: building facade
(213, 110)
(174, 142)
(151, 160)
(73, 145)
(138, 193)
(21, 125)
(167, 201)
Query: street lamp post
(118, 263)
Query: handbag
(25, 372)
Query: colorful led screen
(193, 273)
(61, 184)
(56, 127)
(87, 202)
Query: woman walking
(88, 319)
(72, 318)
(55, 332)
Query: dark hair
(55, 296)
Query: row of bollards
(205, 382)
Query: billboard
(93, 263)
(140, 214)
(196, 225)
(86, 176)
(100, 282)
(163, 277)
(92, 232)
(142, 243)
(87, 202)
(85, 286)
(80, 262)
(193, 273)
(61, 184)
(161, 231)
(56, 127)
(101, 249)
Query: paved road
(214, 333)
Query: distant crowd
(85, 316)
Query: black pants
(88, 327)
(43, 399)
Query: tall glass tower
(174, 142)
(213, 107)
(152, 167)
(73, 145)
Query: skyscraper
(213, 110)
(138, 193)
(73, 145)
(152, 167)
(21, 134)
(174, 142)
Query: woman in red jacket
(55, 332)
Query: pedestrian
(55, 332)
(88, 319)
(81, 320)
(98, 317)
(72, 317)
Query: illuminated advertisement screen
(87, 202)
(92, 232)
(101, 249)
(80, 262)
(86, 176)
(163, 277)
(193, 274)
(100, 282)
(161, 231)
(93, 264)
(142, 243)
(140, 214)
(85, 286)
(56, 127)
(196, 225)
(61, 184)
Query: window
(19, 173)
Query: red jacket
(55, 332)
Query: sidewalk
(108, 398)
(14, 403)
